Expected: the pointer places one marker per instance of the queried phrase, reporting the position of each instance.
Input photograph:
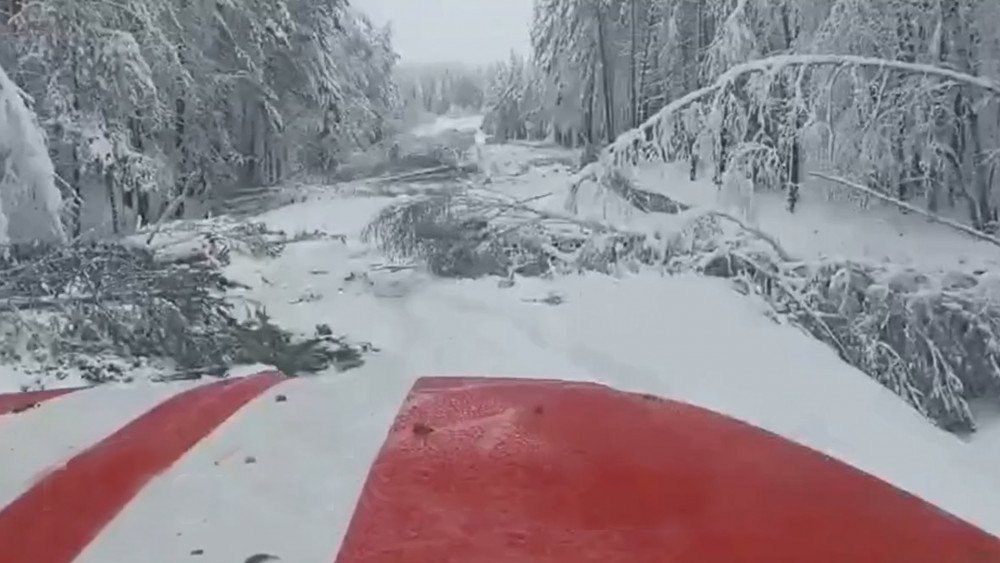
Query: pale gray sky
(469, 31)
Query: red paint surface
(544, 472)
(17, 402)
(56, 518)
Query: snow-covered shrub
(450, 232)
(476, 232)
(29, 199)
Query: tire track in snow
(519, 326)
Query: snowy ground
(684, 337)
(825, 224)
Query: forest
(146, 103)
(898, 95)
(141, 103)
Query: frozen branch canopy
(653, 128)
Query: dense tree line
(603, 67)
(153, 106)
(436, 89)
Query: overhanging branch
(772, 65)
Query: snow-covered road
(685, 337)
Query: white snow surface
(827, 225)
(684, 337)
(445, 123)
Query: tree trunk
(985, 214)
(643, 102)
(633, 82)
(703, 36)
(109, 181)
(589, 94)
(607, 78)
(797, 120)
(692, 72)
(968, 133)
(76, 219)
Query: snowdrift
(472, 469)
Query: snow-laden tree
(436, 89)
(514, 101)
(567, 51)
(345, 67)
(88, 76)
(919, 136)
(894, 99)
(610, 64)
(156, 106)
(29, 200)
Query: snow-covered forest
(894, 93)
(144, 103)
(860, 100)
(784, 211)
(437, 89)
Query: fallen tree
(105, 310)
(931, 339)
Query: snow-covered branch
(771, 66)
(29, 199)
